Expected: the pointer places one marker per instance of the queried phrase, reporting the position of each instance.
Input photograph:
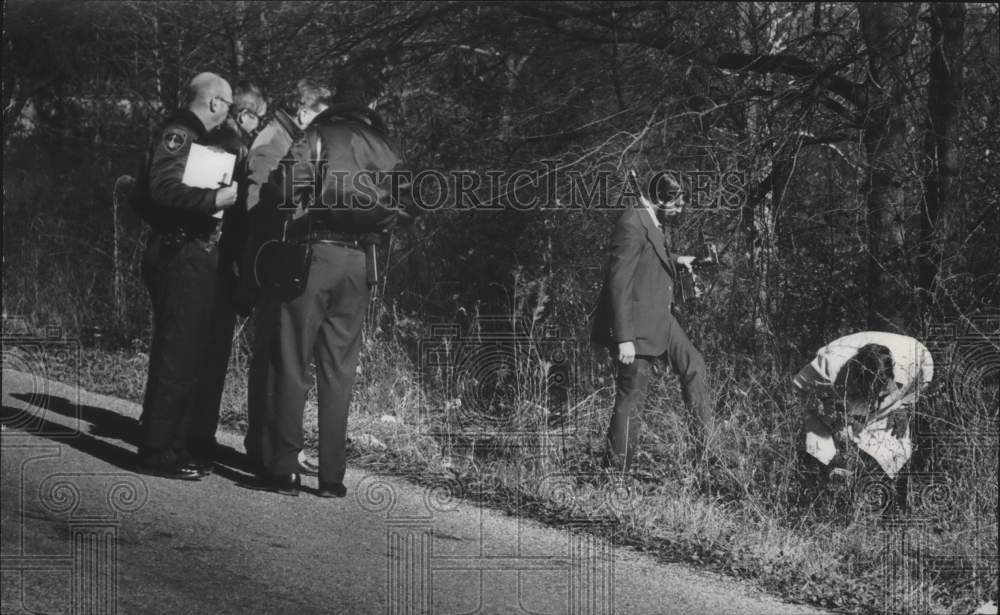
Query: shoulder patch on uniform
(174, 139)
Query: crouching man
(861, 389)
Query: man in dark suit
(633, 320)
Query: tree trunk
(763, 204)
(265, 28)
(944, 97)
(239, 47)
(888, 30)
(158, 65)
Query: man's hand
(226, 196)
(626, 352)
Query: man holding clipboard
(179, 268)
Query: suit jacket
(634, 304)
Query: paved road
(81, 533)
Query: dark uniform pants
(212, 380)
(182, 277)
(632, 384)
(324, 323)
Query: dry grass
(754, 514)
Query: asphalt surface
(82, 533)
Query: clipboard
(208, 167)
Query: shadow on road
(103, 423)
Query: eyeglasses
(229, 103)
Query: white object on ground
(986, 608)
(307, 460)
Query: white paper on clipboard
(208, 167)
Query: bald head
(209, 97)
(206, 86)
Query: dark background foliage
(842, 157)
(821, 228)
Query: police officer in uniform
(350, 207)
(235, 136)
(180, 269)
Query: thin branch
(787, 64)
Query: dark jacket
(356, 189)
(234, 222)
(334, 170)
(160, 196)
(634, 304)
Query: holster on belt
(370, 241)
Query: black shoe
(331, 490)
(285, 484)
(204, 464)
(178, 471)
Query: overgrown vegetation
(757, 513)
(842, 158)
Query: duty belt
(209, 235)
(350, 240)
(358, 241)
(337, 239)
